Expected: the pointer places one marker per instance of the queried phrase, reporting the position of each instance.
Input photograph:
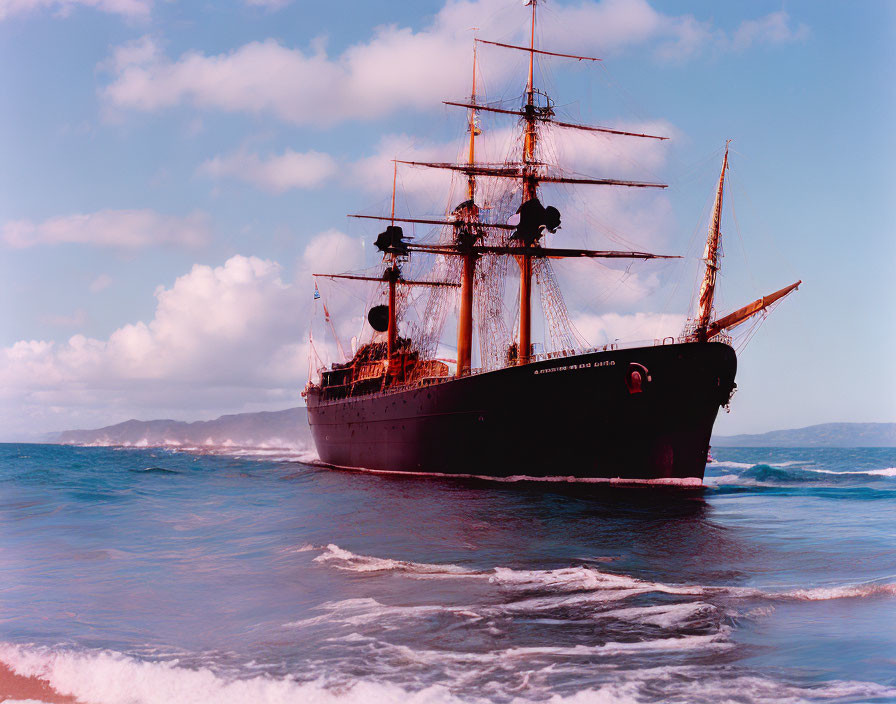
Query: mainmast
(530, 191)
(535, 219)
(711, 257)
(465, 318)
(474, 132)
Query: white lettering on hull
(572, 367)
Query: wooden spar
(541, 252)
(601, 182)
(563, 253)
(383, 279)
(465, 314)
(532, 50)
(711, 257)
(543, 117)
(520, 172)
(741, 314)
(495, 225)
(595, 128)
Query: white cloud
(610, 327)
(774, 28)
(330, 252)
(398, 68)
(100, 283)
(124, 229)
(276, 173)
(231, 337)
(416, 186)
(333, 252)
(233, 330)
(269, 4)
(136, 9)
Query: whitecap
(847, 591)
(581, 583)
(346, 560)
(885, 472)
(107, 677)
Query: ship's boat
(638, 414)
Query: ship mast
(465, 318)
(392, 274)
(703, 328)
(530, 191)
(535, 218)
(711, 257)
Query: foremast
(703, 328)
(711, 256)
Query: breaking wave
(886, 472)
(749, 465)
(582, 579)
(107, 677)
(778, 475)
(343, 559)
(272, 450)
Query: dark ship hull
(625, 415)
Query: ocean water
(132, 576)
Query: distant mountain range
(282, 429)
(289, 429)
(824, 435)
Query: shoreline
(32, 689)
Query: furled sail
(741, 314)
(711, 256)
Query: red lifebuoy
(637, 378)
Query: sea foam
(587, 582)
(107, 677)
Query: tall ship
(551, 410)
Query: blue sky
(173, 172)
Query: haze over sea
(148, 575)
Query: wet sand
(17, 687)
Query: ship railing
(377, 369)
